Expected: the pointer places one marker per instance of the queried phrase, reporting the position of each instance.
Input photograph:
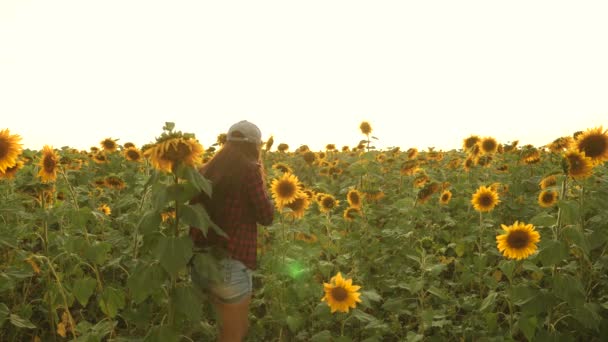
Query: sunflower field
(490, 242)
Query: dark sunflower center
(485, 200)
(594, 146)
(575, 164)
(177, 153)
(108, 144)
(49, 164)
(328, 202)
(354, 198)
(488, 145)
(547, 197)
(339, 294)
(4, 147)
(518, 239)
(286, 189)
(445, 197)
(133, 155)
(296, 205)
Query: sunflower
(412, 153)
(167, 214)
(409, 167)
(269, 143)
(132, 154)
(100, 158)
(340, 294)
(109, 145)
(284, 168)
(327, 203)
(105, 209)
(298, 206)
(350, 213)
(427, 191)
(421, 179)
(114, 182)
(510, 147)
(519, 241)
(548, 182)
(445, 197)
(577, 165)
(469, 163)
(354, 198)
(488, 145)
(10, 149)
(470, 142)
(485, 199)
(561, 144)
(484, 160)
(365, 128)
(166, 155)
(221, 139)
(10, 172)
(330, 147)
(128, 145)
(532, 156)
(285, 189)
(594, 142)
(547, 198)
(282, 147)
(345, 148)
(48, 165)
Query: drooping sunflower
(328, 203)
(353, 197)
(412, 153)
(285, 189)
(469, 163)
(284, 168)
(510, 147)
(577, 165)
(519, 240)
(10, 172)
(445, 197)
(132, 154)
(488, 145)
(330, 147)
(128, 145)
(421, 179)
(114, 182)
(351, 213)
(547, 198)
(427, 191)
(10, 149)
(594, 142)
(409, 167)
(309, 157)
(269, 143)
(298, 206)
(365, 128)
(560, 144)
(531, 156)
(469, 142)
(48, 165)
(485, 199)
(345, 148)
(100, 158)
(282, 147)
(222, 138)
(548, 181)
(167, 154)
(340, 294)
(105, 209)
(109, 145)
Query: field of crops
(490, 242)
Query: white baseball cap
(248, 132)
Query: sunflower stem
(562, 195)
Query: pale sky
(423, 73)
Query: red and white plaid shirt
(238, 215)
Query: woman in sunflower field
(238, 203)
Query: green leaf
(371, 295)
(294, 323)
(527, 325)
(362, 316)
(569, 289)
(489, 302)
(507, 267)
(570, 211)
(160, 196)
(174, 253)
(20, 322)
(588, 315)
(111, 301)
(98, 253)
(576, 236)
(150, 222)
(145, 280)
(543, 220)
(553, 253)
(194, 177)
(4, 311)
(521, 294)
(438, 293)
(185, 298)
(322, 336)
(83, 289)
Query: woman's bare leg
(234, 320)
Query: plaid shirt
(238, 215)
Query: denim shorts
(232, 283)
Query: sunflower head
(105, 209)
(445, 197)
(470, 142)
(577, 165)
(485, 199)
(412, 153)
(167, 154)
(594, 143)
(114, 182)
(282, 147)
(298, 206)
(488, 145)
(282, 167)
(128, 145)
(547, 198)
(519, 240)
(132, 154)
(10, 149)
(547, 182)
(351, 213)
(221, 139)
(340, 294)
(328, 203)
(365, 128)
(48, 165)
(561, 144)
(427, 191)
(353, 197)
(10, 172)
(285, 189)
(109, 145)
